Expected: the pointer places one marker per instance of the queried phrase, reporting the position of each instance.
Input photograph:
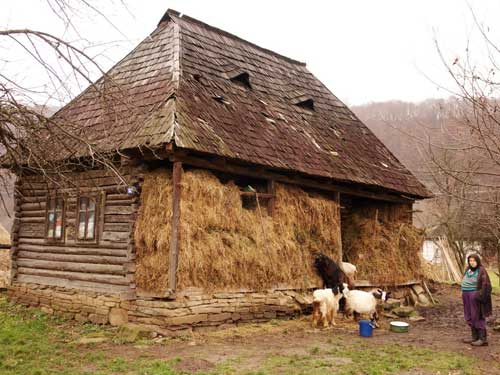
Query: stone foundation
(190, 310)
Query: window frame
(53, 238)
(97, 198)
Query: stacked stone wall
(192, 309)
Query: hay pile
(384, 251)
(4, 267)
(152, 232)
(224, 246)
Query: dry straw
(225, 246)
(152, 232)
(4, 267)
(384, 247)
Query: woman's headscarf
(478, 261)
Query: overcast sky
(362, 50)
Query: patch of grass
(33, 343)
(494, 282)
(359, 358)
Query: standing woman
(476, 296)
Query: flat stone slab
(91, 340)
(404, 311)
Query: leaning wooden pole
(176, 225)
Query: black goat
(332, 275)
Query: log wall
(105, 265)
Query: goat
(361, 302)
(325, 307)
(329, 271)
(349, 269)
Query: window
(55, 218)
(87, 218)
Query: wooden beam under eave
(256, 172)
(176, 225)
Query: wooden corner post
(340, 254)
(176, 225)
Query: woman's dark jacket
(484, 293)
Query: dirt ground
(250, 345)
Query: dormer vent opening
(242, 79)
(306, 104)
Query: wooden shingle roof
(209, 91)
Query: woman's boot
(474, 336)
(483, 339)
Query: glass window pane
(81, 225)
(83, 203)
(92, 204)
(90, 225)
(50, 232)
(59, 204)
(58, 231)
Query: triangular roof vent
(303, 101)
(237, 75)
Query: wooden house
(233, 164)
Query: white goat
(325, 307)
(349, 269)
(361, 302)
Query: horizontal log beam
(72, 250)
(104, 279)
(91, 268)
(259, 195)
(220, 164)
(64, 257)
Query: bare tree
(468, 176)
(31, 141)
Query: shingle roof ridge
(170, 13)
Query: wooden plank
(117, 197)
(64, 257)
(259, 172)
(95, 278)
(37, 213)
(108, 269)
(117, 227)
(117, 218)
(119, 253)
(40, 220)
(74, 284)
(176, 223)
(260, 195)
(120, 203)
(73, 243)
(33, 206)
(32, 199)
(115, 236)
(32, 230)
(369, 284)
(118, 210)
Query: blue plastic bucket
(365, 328)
